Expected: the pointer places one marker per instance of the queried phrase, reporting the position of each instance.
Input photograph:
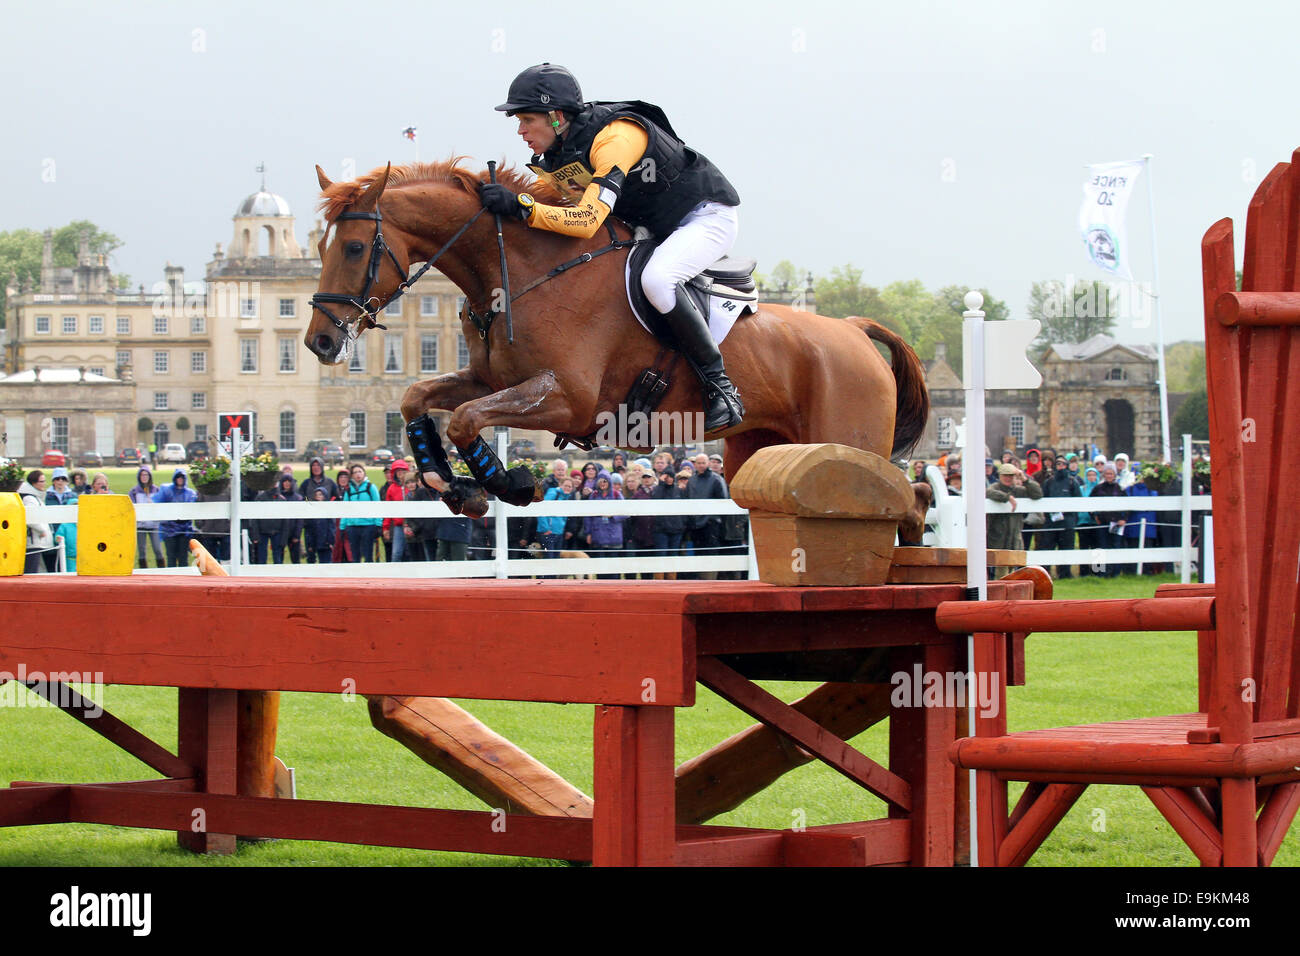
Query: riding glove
(498, 199)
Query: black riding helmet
(542, 88)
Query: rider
(625, 158)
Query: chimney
(941, 352)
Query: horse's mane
(340, 195)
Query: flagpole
(1160, 325)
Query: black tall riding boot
(722, 405)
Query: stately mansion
(86, 363)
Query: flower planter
(10, 484)
(260, 480)
(217, 487)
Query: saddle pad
(724, 305)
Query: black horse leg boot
(722, 405)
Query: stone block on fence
(822, 514)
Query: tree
(21, 250)
(182, 424)
(844, 294)
(1073, 314)
(1193, 416)
(144, 424)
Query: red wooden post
(919, 738)
(635, 789)
(208, 727)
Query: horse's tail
(913, 400)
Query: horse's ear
(370, 198)
(323, 179)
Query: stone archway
(1120, 420)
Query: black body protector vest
(659, 191)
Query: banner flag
(1101, 217)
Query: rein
(377, 249)
(484, 322)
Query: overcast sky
(939, 141)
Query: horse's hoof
(475, 507)
(520, 489)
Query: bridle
(378, 248)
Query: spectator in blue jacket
(361, 532)
(1133, 528)
(176, 534)
(550, 529)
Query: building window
(945, 437)
(358, 437)
(428, 305)
(42, 325)
(161, 435)
(288, 309)
(161, 362)
(460, 305)
(462, 351)
(288, 434)
(200, 432)
(428, 353)
(160, 401)
(288, 355)
(123, 325)
(96, 325)
(96, 370)
(394, 307)
(198, 325)
(1018, 430)
(198, 400)
(160, 325)
(394, 430)
(199, 362)
(248, 355)
(248, 308)
(1116, 375)
(59, 434)
(357, 363)
(123, 358)
(69, 325)
(393, 353)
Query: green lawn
(338, 756)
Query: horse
(578, 348)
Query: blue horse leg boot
(515, 487)
(426, 446)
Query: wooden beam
(1037, 822)
(1143, 614)
(1188, 818)
(1258, 308)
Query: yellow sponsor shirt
(620, 144)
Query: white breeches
(705, 235)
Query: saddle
(723, 292)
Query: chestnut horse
(577, 347)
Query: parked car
(267, 447)
(90, 459)
(196, 449)
(382, 456)
(53, 458)
(521, 448)
(173, 452)
(326, 451)
(127, 456)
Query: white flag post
(1005, 342)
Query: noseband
(377, 250)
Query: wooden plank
(763, 848)
(825, 746)
(164, 785)
(207, 735)
(151, 754)
(1190, 821)
(1260, 730)
(210, 634)
(483, 762)
(952, 557)
(815, 630)
(30, 805)
(874, 843)
(656, 823)
(467, 831)
(1143, 614)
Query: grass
(338, 756)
